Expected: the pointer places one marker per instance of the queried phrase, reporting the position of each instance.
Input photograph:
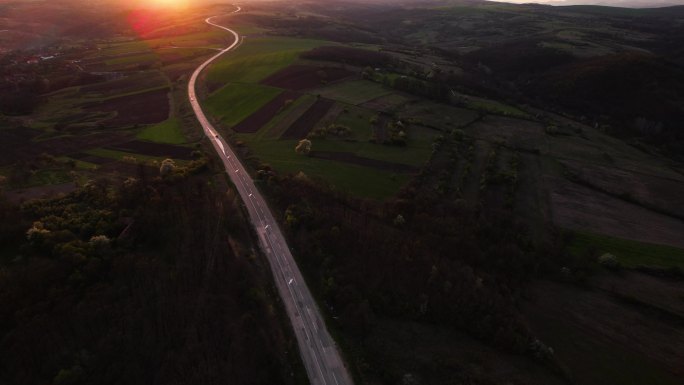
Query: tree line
(146, 280)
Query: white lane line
(313, 319)
(315, 349)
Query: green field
(164, 132)
(363, 181)
(440, 116)
(258, 58)
(182, 54)
(121, 155)
(135, 82)
(122, 48)
(495, 107)
(358, 121)
(234, 102)
(246, 28)
(357, 179)
(239, 97)
(354, 92)
(629, 253)
(214, 38)
(143, 58)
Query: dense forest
(417, 257)
(146, 280)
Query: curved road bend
(319, 352)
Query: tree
(303, 147)
(37, 232)
(167, 167)
(399, 220)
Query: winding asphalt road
(319, 352)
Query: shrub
(609, 261)
(303, 147)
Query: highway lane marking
(314, 319)
(296, 300)
(307, 335)
(281, 258)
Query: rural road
(320, 354)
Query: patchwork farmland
(474, 192)
(270, 100)
(370, 139)
(127, 108)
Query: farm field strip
(154, 149)
(285, 118)
(258, 59)
(148, 107)
(300, 128)
(266, 113)
(580, 208)
(364, 181)
(117, 156)
(300, 77)
(168, 131)
(353, 92)
(630, 253)
(347, 157)
(235, 102)
(133, 83)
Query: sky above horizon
(617, 3)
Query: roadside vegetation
(112, 275)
